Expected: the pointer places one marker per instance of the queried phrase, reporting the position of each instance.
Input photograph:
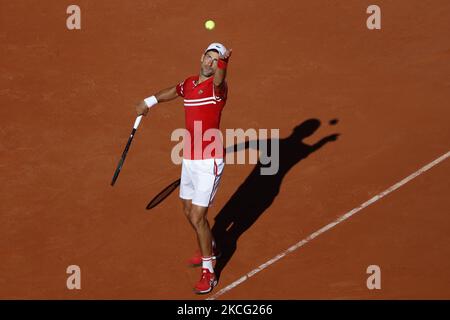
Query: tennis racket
(125, 151)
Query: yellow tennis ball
(210, 24)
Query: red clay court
(67, 106)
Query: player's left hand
(227, 54)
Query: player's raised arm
(164, 95)
(221, 71)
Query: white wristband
(150, 101)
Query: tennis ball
(210, 24)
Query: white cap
(218, 47)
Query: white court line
(328, 226)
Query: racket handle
(138, 120)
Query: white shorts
(200, 180)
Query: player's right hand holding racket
(142, 109)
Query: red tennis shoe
(206, 283)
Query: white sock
(207, 264)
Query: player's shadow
(258, 192)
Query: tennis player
(204, 96)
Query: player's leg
(186, 195)
(200, 223)
(186, 188)
(205, 177)
(196, 259)
(187, 207)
